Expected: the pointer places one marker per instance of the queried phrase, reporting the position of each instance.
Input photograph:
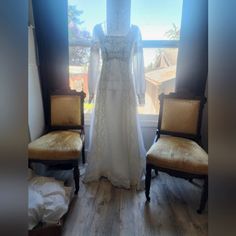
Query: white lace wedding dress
(116, 146)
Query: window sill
(145, 120)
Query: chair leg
(156, 172)
(83, 154)
(76, 178)
(29, 164)
(203, 197)
(148, 181)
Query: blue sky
(154, 17)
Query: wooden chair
(63, 143)
(176, 149)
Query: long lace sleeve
(138, 68)
(93, 69)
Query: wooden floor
(101, 209)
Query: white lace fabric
(116, 146)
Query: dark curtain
(192, 63)
(51, 29)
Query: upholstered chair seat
(179, 154)
(57, 145)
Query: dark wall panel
(192, 64)
(51, 27)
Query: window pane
(160, 72)
(78, 71)
(157, 19)
(83, 15)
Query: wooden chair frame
(196, 138)
(66, 164)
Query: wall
(51, 30)
(35, 101)
(192, 62)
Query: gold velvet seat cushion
(56, 145)
(178, 154)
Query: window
(82, 16)
(159, 22)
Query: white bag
(35, 208)
(56, 198)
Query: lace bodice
(126, 50)
(116, 48)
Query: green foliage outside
(173, 33)
(78, 55)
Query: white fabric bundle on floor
(35, 208)
(48, 200)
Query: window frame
(160, 43)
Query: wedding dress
(116, 146)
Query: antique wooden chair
(176, 149)
(63, 143)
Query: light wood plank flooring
(101, 209)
